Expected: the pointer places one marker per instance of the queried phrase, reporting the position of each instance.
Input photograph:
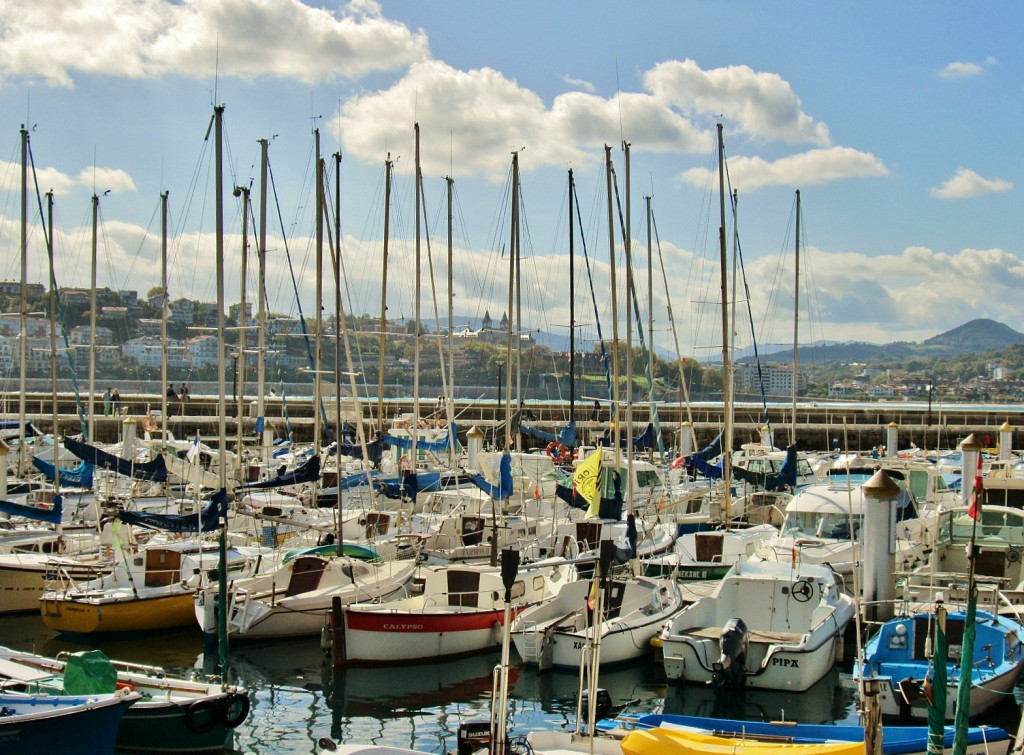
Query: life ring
(235, 710)
(149, 423)
(558, 452)
(203, 715)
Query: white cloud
(53, 40)
(966, 70)
(580, 84)
(966, 183)
(922, 293)
(762, 104)
(47, 178)
(816, 166)
(106, 179)
(483, 114)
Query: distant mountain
(973, 337)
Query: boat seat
(21, 673)
(753, 635)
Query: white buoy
(892, 447)
(879, 590)
(1005, 441)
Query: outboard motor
(729, 671)
(473, 736)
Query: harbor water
(297, 700)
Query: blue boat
(32, 724)
(897, 657)
(896, 740)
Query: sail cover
(80, 476)
(154, 471)
(207, 521)
(307, 472)
(503, 490)
(51, 515)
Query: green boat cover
(89, 672)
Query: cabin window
(518, 589)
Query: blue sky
(899, 123)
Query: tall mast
(726, 393)
(796, 322)
(222, 627)
(418, 179)
(92, 322)
(261, 312)
(449, 409)
(382, 338)
(318, 340)
(243, 320)
(23, 311)
(572, 308)
(616, 429)
(650, 319)
(337, 348)
(627, 243)
(53, 339)
(513, 244)
(164, 306)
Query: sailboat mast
(164, 306)
(243, 323)
(318, 341)
(92, 320)
(337, 350)
(382, 338)
(614, 415)
(627, 243)
(53, 339)
(650, 320)
(418, 188)
(222, 586)
(23, 311)
(726, 393)
(449, 409)
(512, 246)
(261, 312)
(572, 309)
(796, 321)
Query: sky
(899, 124)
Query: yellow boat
(667, 741)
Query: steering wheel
(802, 591)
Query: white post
(128, 438)
(970, 450)
(1005, 441)
(892, 439)
(686, 439)
(879, 539)
(767, 437)
(475, 440)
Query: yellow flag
(584, 480)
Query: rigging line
(631, 295)
(593, 296)
(291, 271)
(750, 314)
(433, 291)
(61, 313)
(672, 321)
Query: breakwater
(819, 426)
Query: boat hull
(42, 722)
(22, 581)
(385, 636)
(108, 616)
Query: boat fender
(235, 710)
(203, 715)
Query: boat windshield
(994, 526)
(821, 525)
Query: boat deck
(753, 635)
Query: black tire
(235, 710)
(203, 715)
